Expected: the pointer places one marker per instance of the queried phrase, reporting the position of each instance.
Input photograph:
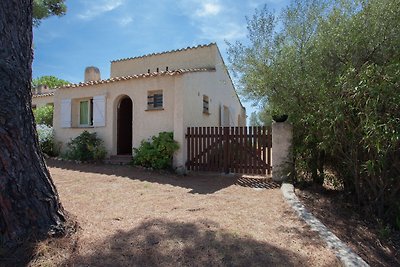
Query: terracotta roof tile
(166, 52)
(42, 95)
(138, 76)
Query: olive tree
(333, 67)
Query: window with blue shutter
(99, 111)
(155, 99)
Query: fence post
(226, 149)
(282, 156)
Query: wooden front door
(124, 127)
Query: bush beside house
(156, 153)
(44, 115)
(46, 140)
(86, 147)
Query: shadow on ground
(160, 242)
(347, 221)
(16, 257)
(199, 183)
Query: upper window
(206, 104)
(86, 112)
(155, 100)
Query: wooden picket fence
(229, 149)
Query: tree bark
(29, 203)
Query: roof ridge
(137, 76)
(166, 52)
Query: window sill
(83, 126)
(206, 113)
(153, 109)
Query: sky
(93, 33)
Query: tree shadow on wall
(161, 242)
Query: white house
(145, 95)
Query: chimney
(41, 89)
(92, 74)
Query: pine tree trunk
(29, 203)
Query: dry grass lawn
(133, 217)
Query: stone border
(341, 250)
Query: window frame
(152, 102)
(89, 114)
(206, 105)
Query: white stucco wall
(202, 57)
(218, 87)
(40, 101)
(145, 123)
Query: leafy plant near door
(85, 147)
(156, 153)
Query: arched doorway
(124, 126)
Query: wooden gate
(229, 149)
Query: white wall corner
(179, 159)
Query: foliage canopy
(44, 115)
(43, 9)
(334, 68)
(50, 81)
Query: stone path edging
(341, 250)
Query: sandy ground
(133, 217)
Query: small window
(86, 112)
(206, 104)
(155, 100)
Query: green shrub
(157, 153)
(46, 140)
(44, 115)
(85, 147)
